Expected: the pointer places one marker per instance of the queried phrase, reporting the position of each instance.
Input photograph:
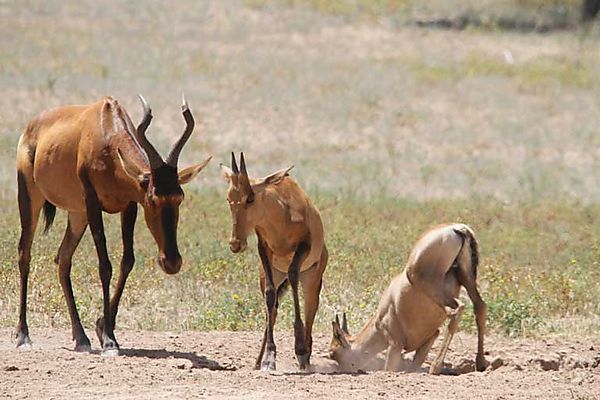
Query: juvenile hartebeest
(86, 160)
(416, 303)
(291, 247)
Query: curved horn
(154, 158)
(173, 156)
(243, 164)
(234, 166)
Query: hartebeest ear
(132, 169)
(226, 172)
(189, 173)
(272, 179)
(339, 335)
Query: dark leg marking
(75, 229)
(269, 362)
(94, 214)
(300, 347)
(128, 217)
(27, 232)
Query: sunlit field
(392, 128)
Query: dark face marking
(163, 198)
(166, 181)
(169, 226)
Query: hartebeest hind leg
(76, 226)
(300, 345)
(94, 214)
(312, 281)
(30, 205)
(128, 218)
(480, 310)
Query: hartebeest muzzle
(237, 246)
(171, 265)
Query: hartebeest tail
(86, 160)
(416, 303)
(291, 247)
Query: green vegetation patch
(539, 265)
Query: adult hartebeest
(291, 247)
(89, 159)
(416, 303)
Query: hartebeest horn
(244, 179)
(234, 166)
(243, 169)
(344, 323)
(154, 158)
(173, 156)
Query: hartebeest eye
(250, 199)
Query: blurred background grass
(393, 127)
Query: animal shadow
(198, 361)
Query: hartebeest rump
(416, 303)
(86, 160)
(291, 247)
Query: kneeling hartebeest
(89, 159)
(416, 303)
(291, 247)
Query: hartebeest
(86, 160)
(416, 303)
(291, 247)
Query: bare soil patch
(219, 365)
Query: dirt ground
(163, 365)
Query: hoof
(23, 342)
(110, 348)
(268, 366)
(481, 364)
(435, 369)
(303, 361)
(83, 348)
(110, 352)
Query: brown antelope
(89, 159)
(291, 247)
(416, 303)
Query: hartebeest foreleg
(270, 294)
(30, 205)
(76, 226)
(279, 282)
(454, 319)
(300, 348)
(94, 214)
(128, 217)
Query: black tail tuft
(467, 235)
(474, 254)
(49, 214)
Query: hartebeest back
(416, 303)
(89, 159)
(291, 247)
